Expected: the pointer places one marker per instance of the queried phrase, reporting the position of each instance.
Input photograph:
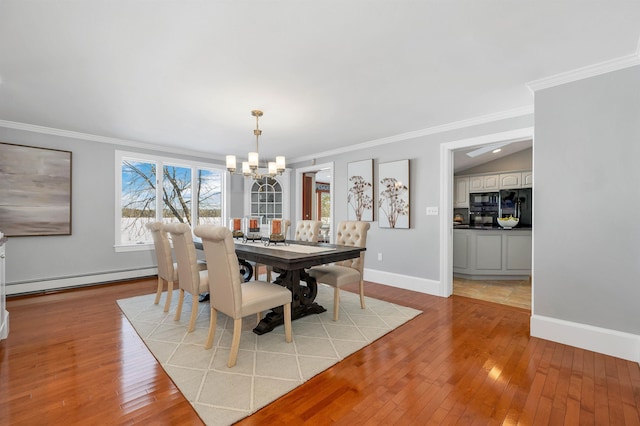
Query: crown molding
(512, 113)
(104, 139)
(586, 72)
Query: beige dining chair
(339, 274)
(167, 269)
(308, 230)
(192, 278)
(232, 297)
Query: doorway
(315, 195)
(446, 196)
(483, 165)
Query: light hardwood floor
(505, 292)
(72, 358)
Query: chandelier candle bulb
(246, 170)
(253, 160)
(231, 163)
(272, 168)
(280, 164)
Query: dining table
(291, 259)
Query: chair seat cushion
(258, 296)
(335, 275)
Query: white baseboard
(601, 340)
(77, 281)
(406, 282)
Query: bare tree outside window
(139, 203)
(138, 199)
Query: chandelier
(250, 168)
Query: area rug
(267, 366)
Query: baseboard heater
(62, 283)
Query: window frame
(161, 162)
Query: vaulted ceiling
(327, 74)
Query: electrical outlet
(379, 257)
(432, 211)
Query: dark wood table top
(290, 260)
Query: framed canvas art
(35, 195)
(360, 193)
(393, 199)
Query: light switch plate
(432, 211)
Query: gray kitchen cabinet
(492, 253)
(488, 251)
(460, 256)
(518, 252)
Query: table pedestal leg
(302, 304)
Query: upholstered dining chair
(232, 297)
(192, 278)
(308, 230)
(167, 269)
(349, 233)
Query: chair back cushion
(185, 250)
(308, 230)
(166, 270)
(352, 233)
(224, 271)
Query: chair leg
(169, 294)
(235, 342)
(256, 276)
(362, 294)
(194, 314)
(159, 291)
(179, 308)
(336, 303)
(212, 328)
(287, 322)
(269, 269)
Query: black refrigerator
(517, 203)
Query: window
(184, 191)
(266, 199)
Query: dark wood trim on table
(72, 358)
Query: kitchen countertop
(492, 228)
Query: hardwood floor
(73, 358)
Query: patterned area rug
(267, 366)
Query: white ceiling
(327, 74)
